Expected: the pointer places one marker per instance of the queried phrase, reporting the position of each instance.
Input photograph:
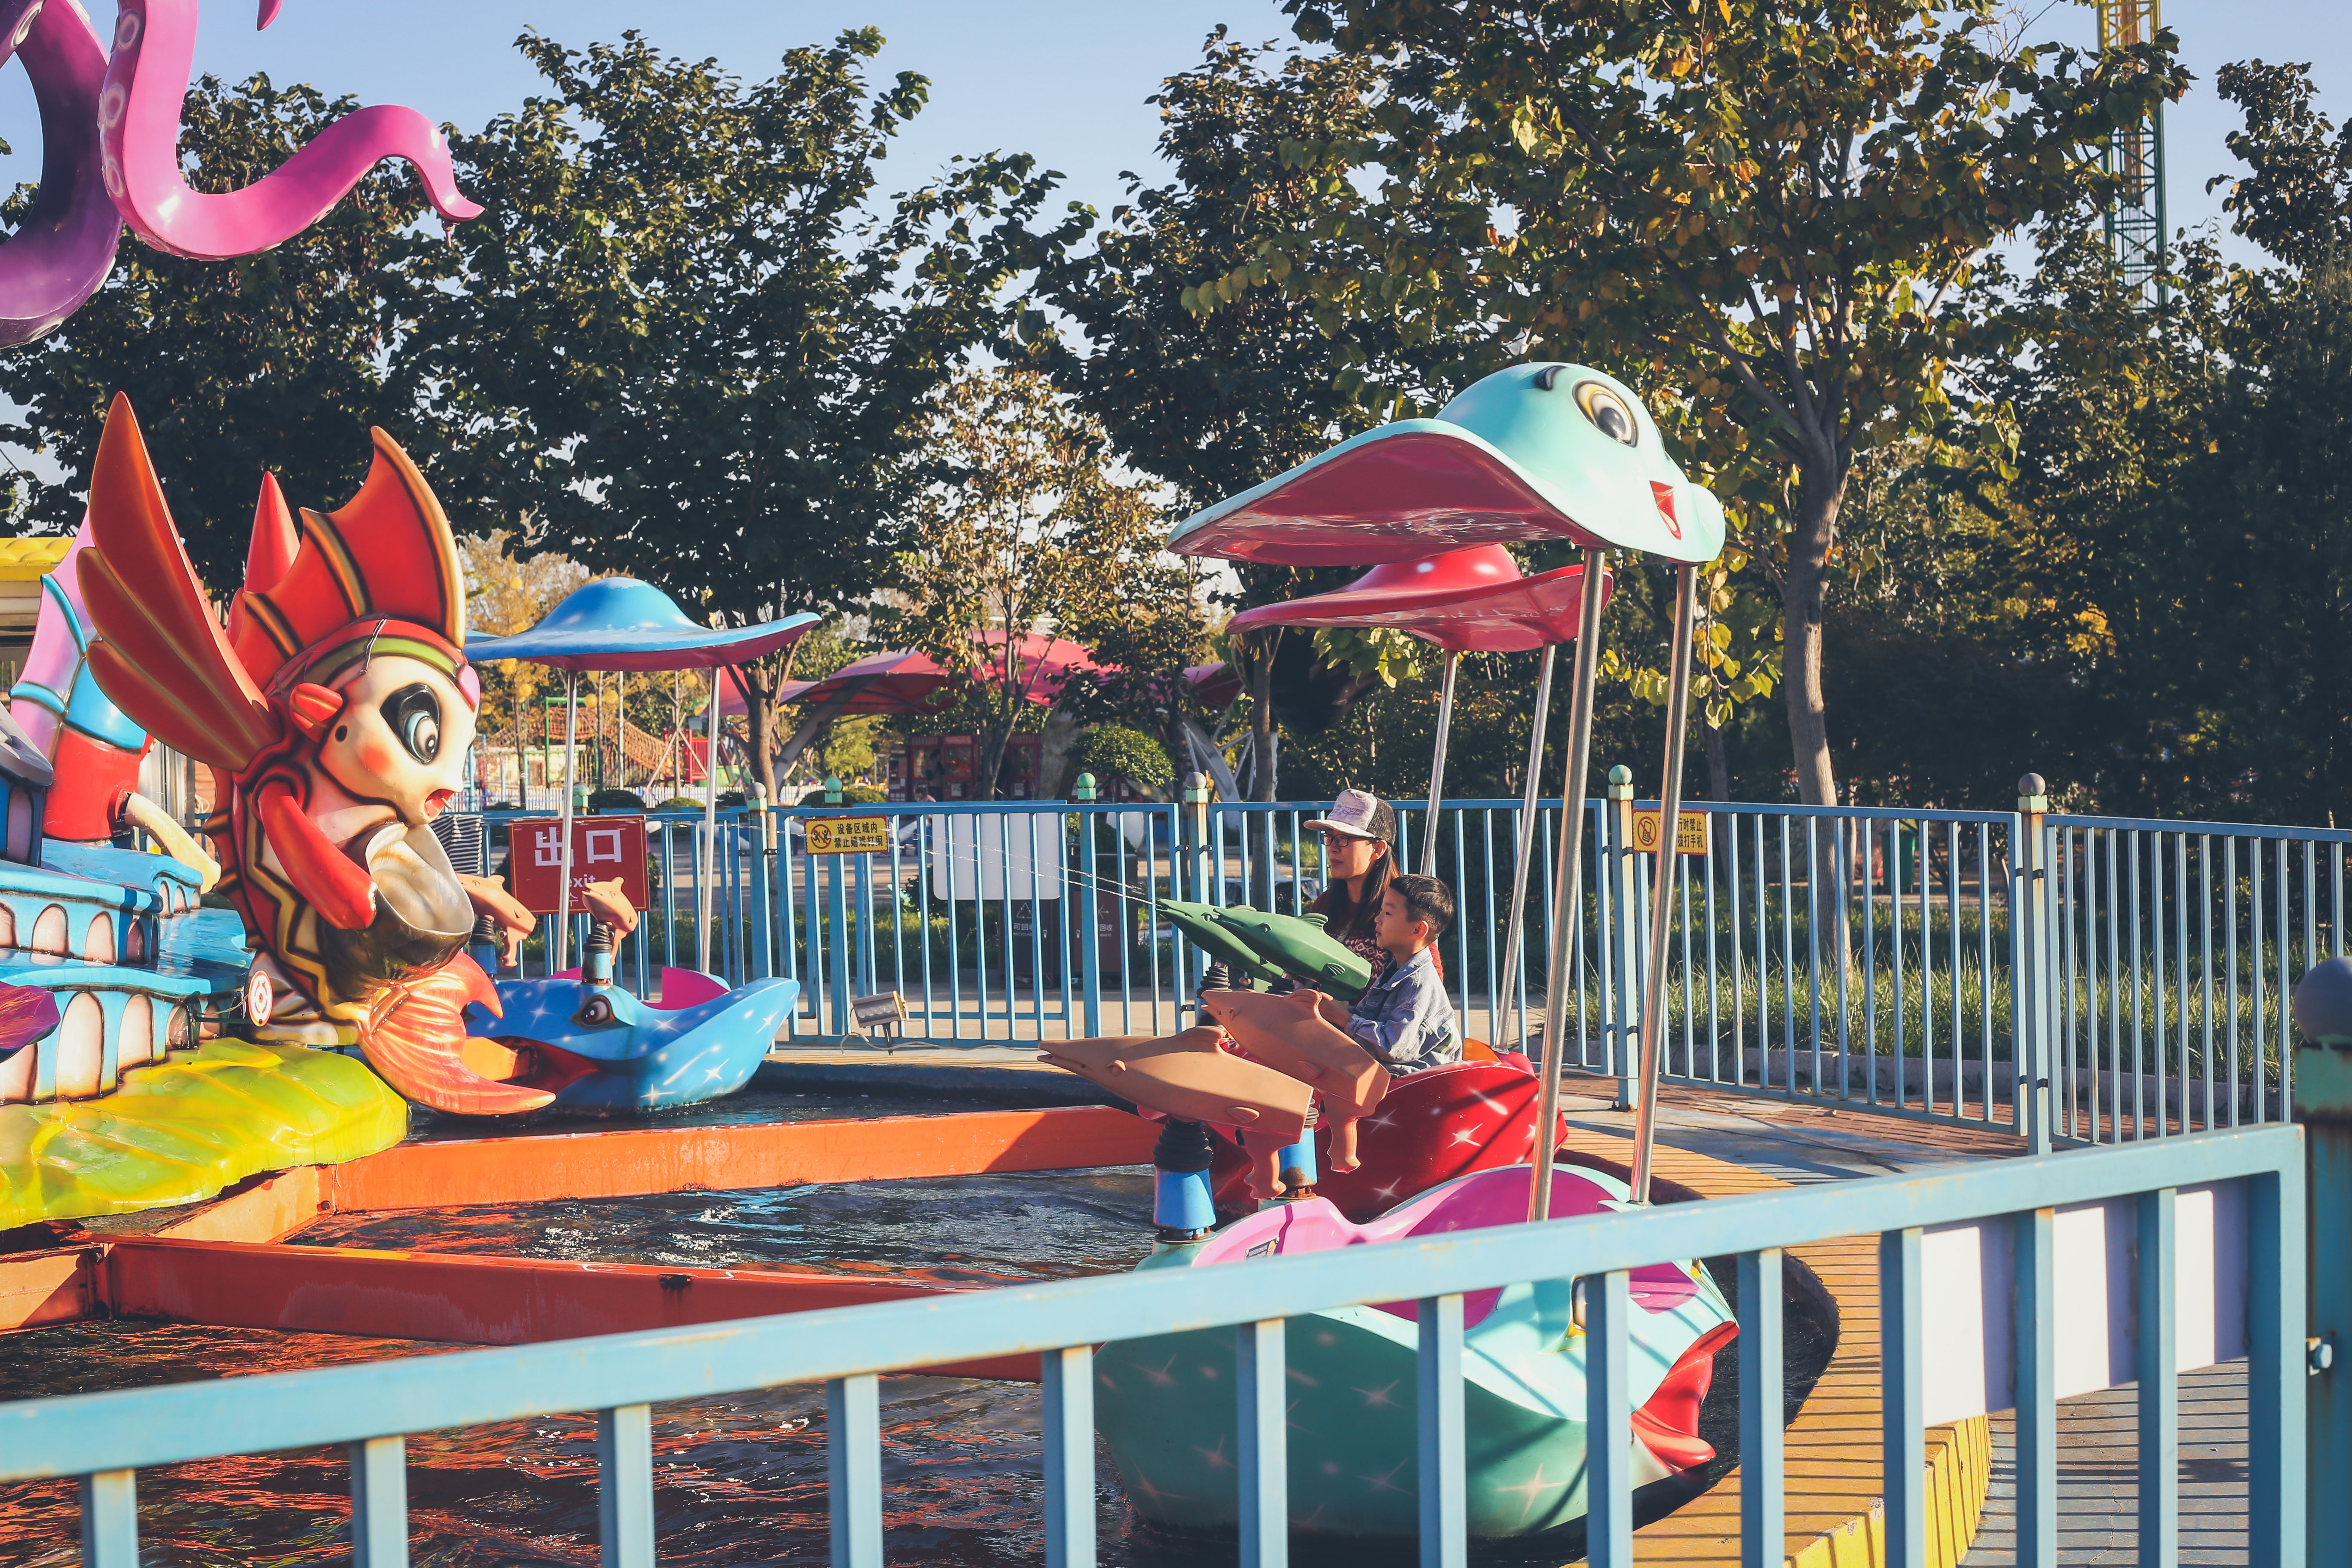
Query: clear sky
(1064, 80)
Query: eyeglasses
(1332, 835)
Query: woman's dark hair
(1345, 919)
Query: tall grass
(1894, 986)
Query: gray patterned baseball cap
(1360, 814)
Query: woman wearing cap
(1360, 857)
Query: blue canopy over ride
(620, 623)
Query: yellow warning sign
(1690, 832)
(848, 835)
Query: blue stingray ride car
(601, 1050)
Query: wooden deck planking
(1833, 1501)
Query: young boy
(1405, 1020)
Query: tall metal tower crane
(2135, 224)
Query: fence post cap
(2033, 795)
(1085, 791)
(2323, 1003)
(1620, 783)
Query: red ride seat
(1431, 1126)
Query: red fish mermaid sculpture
(335, 709)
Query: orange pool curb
(71, 1283)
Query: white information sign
(993, 854)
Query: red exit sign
(602, 848)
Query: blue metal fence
(2085, 979)
(107, 1437)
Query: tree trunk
(759, 703)
(989, 782)
(760, 727)
(1054, 779)
(1718, 765)
(1820, 491)
(1260, 784)
(810, 727)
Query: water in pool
(740, 1479)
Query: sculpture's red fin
(191, 689)
(313, 707)
(416, 1038)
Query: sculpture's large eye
(414, 714)
(595, 1012)
(1608, 413)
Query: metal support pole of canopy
(563, 821)
(1526, 849)
(1568, 890)
(704, 871)
(1437, 767)
(1662, 904)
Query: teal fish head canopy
(1589, 443)
(1536, 452)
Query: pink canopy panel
(1468, 601)
(879, 683)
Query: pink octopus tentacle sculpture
(109, 156)
(64, 248)
(139, 135)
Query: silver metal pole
(1662, 905)
(1527, 851)
(704, 872)
(563, 820)
(1567, 881)
(1437, 767)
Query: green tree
(1026, 532)
(2184, 534)
(2297, 203)
(1760, 212)
(1114, 752)
(1210, 404)
(691, 343)
(503, 596)
(273, 362)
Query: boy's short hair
(1427, 898)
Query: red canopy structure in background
(894, 682)
(1214, 684)
(879, 683)
(901, 682)
(1467, 601)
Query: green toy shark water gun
(1268, 946)
(1200, 923)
